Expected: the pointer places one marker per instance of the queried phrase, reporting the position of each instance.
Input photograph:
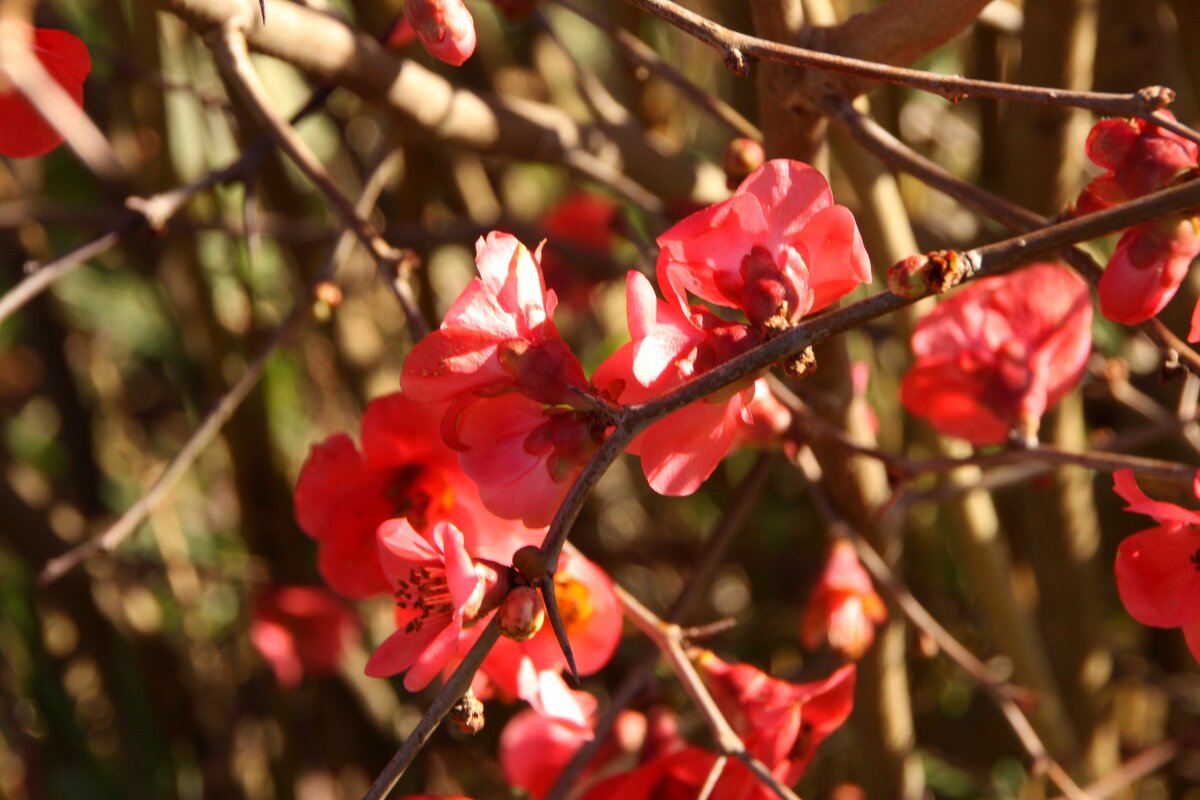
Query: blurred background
(135, 676)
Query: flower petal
(1157, 576)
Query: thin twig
(642, 56)
(669, 640)
(999, 690)
(735, 47)
(887, 147)
(233, 57)
(226, 407)
(456, 686)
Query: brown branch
(735, 47)
(327, 48)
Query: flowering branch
(669, 640)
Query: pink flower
(438, 589)
(300, 629)
(1139, 158)
(342, 496)
(680, 451)
(843, 608)
(445, 28)
(1147, 267)
(777, 249)
(23, 132)
(516, 414)
(523, 455)
(497, 337)
(781, 723)
(1158, 569)
(997, 354)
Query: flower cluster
(1152, 258)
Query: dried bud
(906, 277)
(521, 613)
(530, 562)
(742, 156)
(467, 713)
(801, 365)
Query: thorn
(560, 632)
(262, 8)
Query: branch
(735, 47)
(887, 147)
(999, 690)
(669, 639)
(226, 407)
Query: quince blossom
(23, 131)
(513, 386)
(843, 609)
(342, 495)
(997, 354)
(1158, 569)
(445, 28)
(438, 589)
(1151, 259)
(777, 249)
(300, 629)
(782, 723)
(670, 346)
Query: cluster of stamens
(426, 593)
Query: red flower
(445, 28)
(999, 353)
(843, 609)
(342, 496)
(584, 222)
(1139, 158)
(497, 337)
(23, 132)
(680, 451)
(778, 249)
(1158, 569)
(438, 590)
(781, 723)
(1147, 267)
(300, 629)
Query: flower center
(424, 592)
(574, 600)
(420, 495)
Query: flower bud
(906, 277)
(742, 156)
(445, 28)
(521, 613)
